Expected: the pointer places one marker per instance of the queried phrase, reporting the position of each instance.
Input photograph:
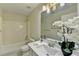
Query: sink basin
(44, 49)
(49, 51)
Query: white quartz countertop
(42, 49)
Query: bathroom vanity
(43, 48)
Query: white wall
(0, 29)
(78, 9)
(11, 28)
(14, 30)
(35, 23)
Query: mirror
(68, 11)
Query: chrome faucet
(43, 37)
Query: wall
(14, 30)
(0, 29)
(35, 23)
(78, 9)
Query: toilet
(24, 50)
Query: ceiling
(20, 8)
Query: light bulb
(48, 10)
(62, 4)
(43, 8)
(54, 8)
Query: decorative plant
(67, 28)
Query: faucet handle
(44, 36)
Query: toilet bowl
(25, 48)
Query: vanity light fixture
(48, 7)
